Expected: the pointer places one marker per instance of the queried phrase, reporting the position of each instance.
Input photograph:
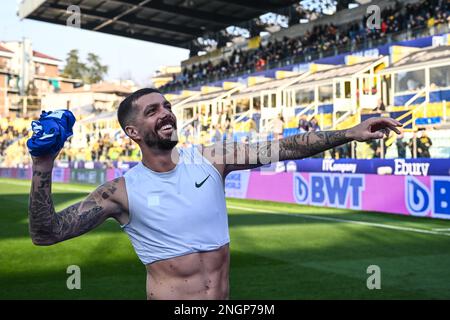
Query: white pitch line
(364, 223)
(441, 229)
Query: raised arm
(240, 156)
(48, 227)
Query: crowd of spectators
(96, 146)
(108, 147)
(322, 38)
(103, 148)
(11, 130)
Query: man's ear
(132, 132)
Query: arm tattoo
(310, 143)
(240, 156)
(48, 227)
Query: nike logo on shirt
(198, 185)
(46, 135)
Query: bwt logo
(420, 199)
(340, 191)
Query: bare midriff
(200, 275)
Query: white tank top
(177, 212)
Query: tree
(74, 69)
(95, 70)
(91, 72)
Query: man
(423, 146)
(303, 124)
(256, 116)
(278, 127)
(401, 146)
(172, 204)
(380, 106)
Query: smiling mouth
(167, 129)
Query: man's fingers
(395, 130)
(393, 122)
(389, 122)
(384, 123)
(376, 135)
(396, 122)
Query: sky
(126, 58)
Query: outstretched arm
(48, 227)
(240, 156)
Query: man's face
(156, 123)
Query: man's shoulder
(115, 191)
(114, 184)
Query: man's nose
(164, 111)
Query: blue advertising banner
(400, 167)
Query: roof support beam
(259, 5)
(109, 30)
(143, 37)
(186, 12)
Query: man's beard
(154, 141)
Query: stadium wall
(415, 187)
(422, 196)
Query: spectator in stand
(228, 130)
(196, 124)
(401, 146)
(217, 134)
(380, 106)
(342, 151)
(278, 127)
(256, 116)
(204, 121)
(322, 38)
(303, 124)
(314, 125)
(423, 145)
(252, 130)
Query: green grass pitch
(278, 251)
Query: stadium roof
(338, 72)
(170, 22)
(421, 57)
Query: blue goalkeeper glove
(50, 132)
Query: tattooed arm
(48, 227)
(239, 156)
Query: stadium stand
(320, 41)
(408, 80)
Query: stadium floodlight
(320, 6)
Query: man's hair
(126, 111)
